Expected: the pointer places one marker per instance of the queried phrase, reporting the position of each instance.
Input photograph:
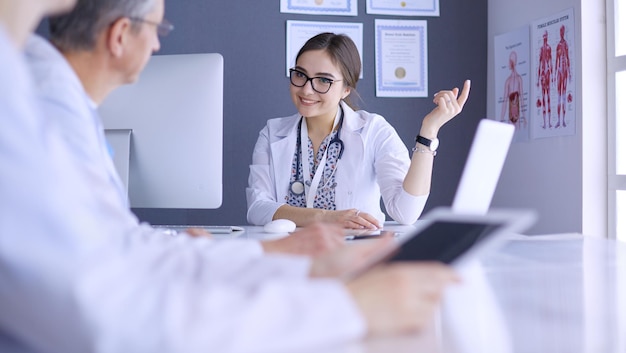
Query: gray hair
(78, 29)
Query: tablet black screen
(444, 241)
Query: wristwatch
(431, 144)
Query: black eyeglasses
(319, 84)
(163, 29)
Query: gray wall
(251, 37)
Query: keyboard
(210, 229)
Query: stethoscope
(297, 187)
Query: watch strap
(423, 140)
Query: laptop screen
(483, 167)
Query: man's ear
(117, 36)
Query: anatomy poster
(553, 76)
(512, 81)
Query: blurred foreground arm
(314, 240)
(400, 298)
(393, 298)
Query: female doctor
(330, 163)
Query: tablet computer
(453, 238)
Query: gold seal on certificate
(319, 2)
(400, 72)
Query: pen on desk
(359, 237)
(370, 236)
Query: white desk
(559, 293)
(256, 232)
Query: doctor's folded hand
(393, 298)
(352, 219)
(314, 240)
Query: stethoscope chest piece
(297, 188)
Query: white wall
(594, 112)
(563, 178)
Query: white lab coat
(79, 274)
(63, 98)
(374, 161)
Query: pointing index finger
(464, 93)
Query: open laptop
(483, 167)
(481, 173)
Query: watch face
(434, 144)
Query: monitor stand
(119, 139)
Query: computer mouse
(280, 226)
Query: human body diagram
(563, 76)
(513, 95)
(555, 113)
(544, 79)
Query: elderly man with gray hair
(96, 48)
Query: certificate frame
(403, 8)
(411, 79)
(317, 7)
(298, 32)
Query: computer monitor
(175, 116)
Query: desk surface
(257, 232)
(557, 293)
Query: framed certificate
(401, 58)
(320, 7)
(403, 8)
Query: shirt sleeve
(392, 164)
(202, 298)
(260, 193)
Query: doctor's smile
(308, 101)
